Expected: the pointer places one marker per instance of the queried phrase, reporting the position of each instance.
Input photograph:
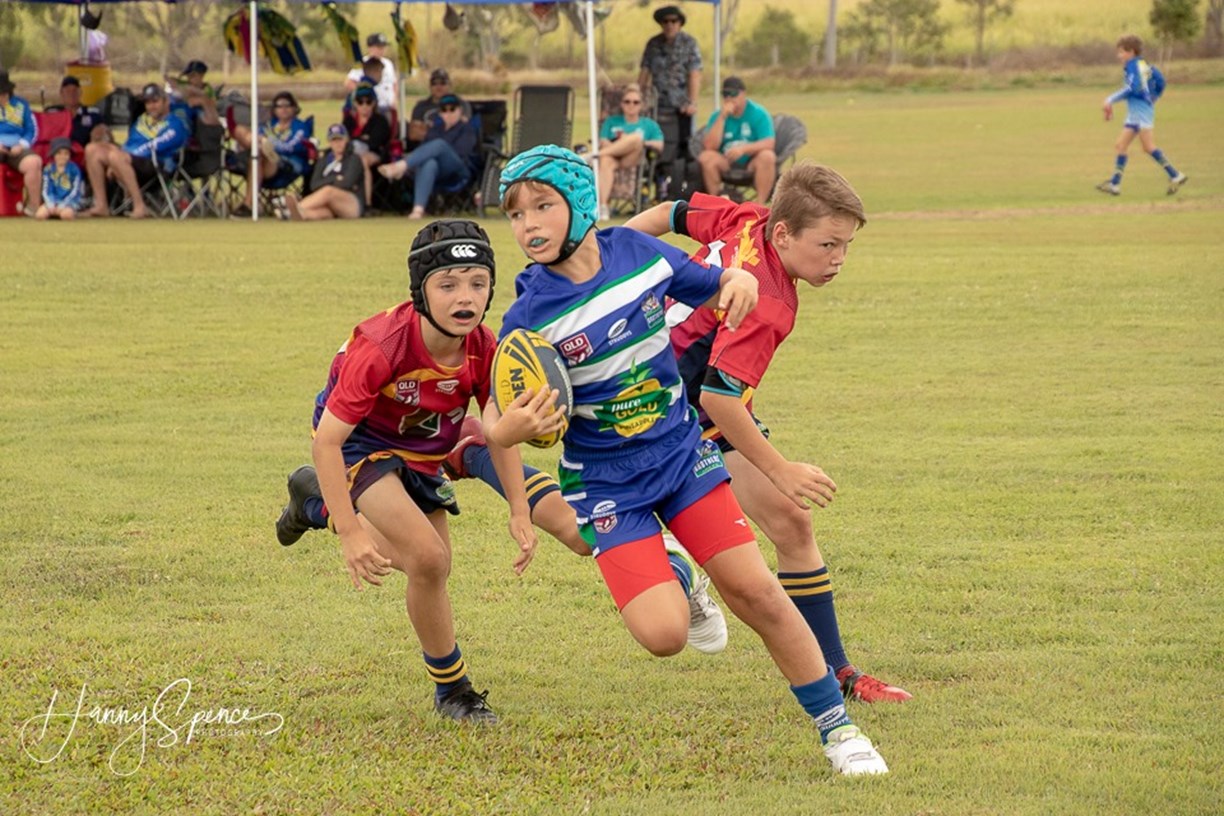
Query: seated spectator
(740, 133)
(284, 148)
(371, 75)
(370, 132)
(425, 109)
(153, 144)
(448, 155)
(87, 123)
(387, 84)
(337, 189)
(623, 140)
(62, 184)
(17, 135)
(193, 97)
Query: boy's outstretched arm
(508, 465)
(362, 558)
(798, 481)
(655, 221)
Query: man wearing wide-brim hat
(671, 63)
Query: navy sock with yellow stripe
(812, 592)
(448, 672)
(479, 465)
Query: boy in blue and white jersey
(633, 453)
(1141, 87)
(62, 185)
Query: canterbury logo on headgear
(464, 251)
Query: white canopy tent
(592, 90)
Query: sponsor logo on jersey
(576, 348)
(603, 517)
(619, 332)
(448, 386)
(408, 392)
(642, 402)
(653, 311)
(709, 459)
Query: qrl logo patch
(463, 251)
(576, 348)
(408, 392)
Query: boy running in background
(391, 410)
(633, 452)
(1140, 93)
(805, 237)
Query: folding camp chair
(543, 114)
(790, 134)
(490, 116)
(200, 175)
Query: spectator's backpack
(1156, 82)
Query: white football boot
(852, 754)
(707, 625)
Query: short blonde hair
(808, 192)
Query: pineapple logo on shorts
(642, 402)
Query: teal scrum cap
(566, 172)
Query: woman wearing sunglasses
(623, 140)
(370, 132)
(446, 158)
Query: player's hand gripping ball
(523, 360)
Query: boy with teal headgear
(634, 458)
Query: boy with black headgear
(392, 409)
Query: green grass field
(1016, 383)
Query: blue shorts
(428, 492)
(619, 499)
(1140, 116)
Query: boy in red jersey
(804, 237)
(392, 408)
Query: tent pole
(592, 91)
(717, 87)
(254, 169)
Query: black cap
(662, 14)
(70, 80)
(195, 67)
(59, 144)
(734, 84)
(6, 84)
(439, 75)
(376, 39)
(152, 91)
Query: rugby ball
(523, 360)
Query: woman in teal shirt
(622, 140)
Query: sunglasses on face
(730, 94)
(450, 108)
(365, 101)
(631, 101)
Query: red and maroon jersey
(731, 235)
(385, 382)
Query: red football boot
(863, 687)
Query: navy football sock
(823, 701)
(812, 593)
(448, 673)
